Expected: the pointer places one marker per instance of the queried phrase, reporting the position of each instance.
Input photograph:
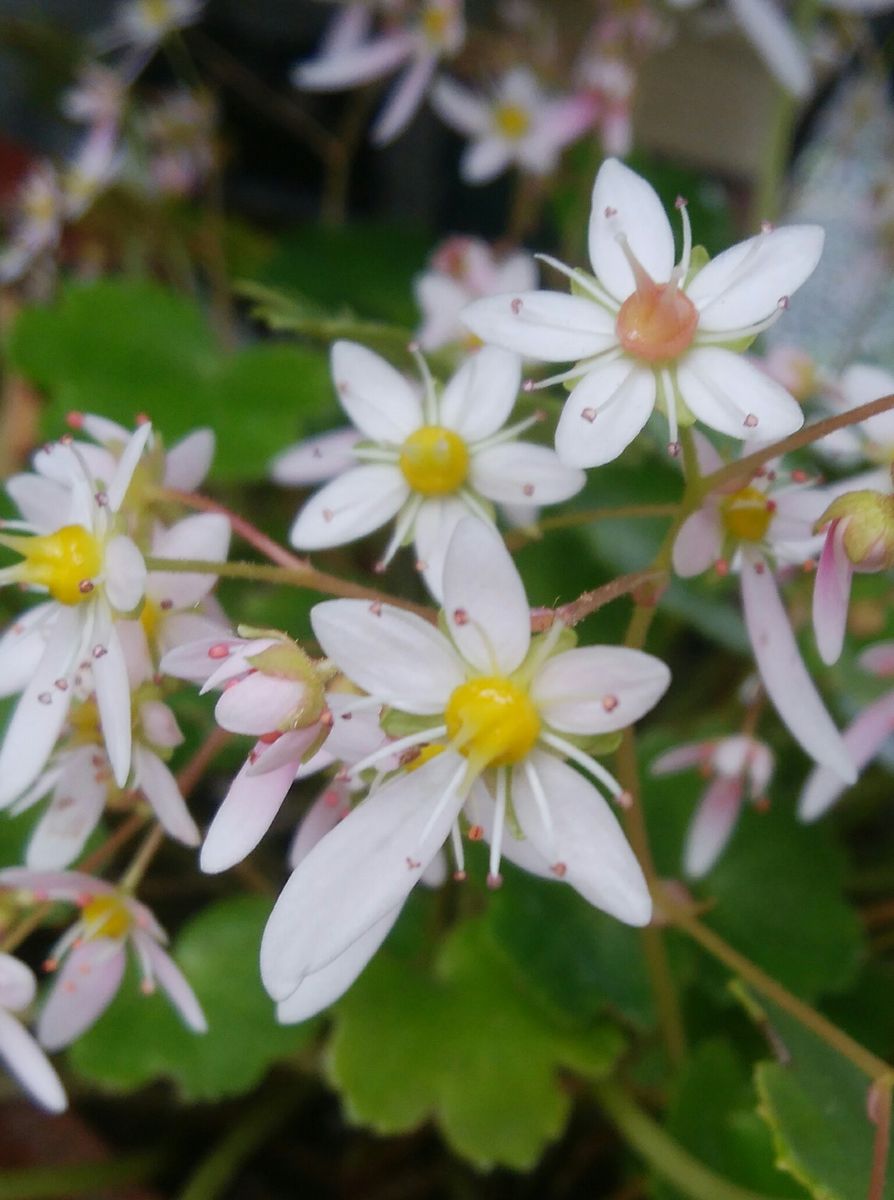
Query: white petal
(484, 600)
(481, 395)
(441, 300)
(784, 674)
(403, 100)
(127, 464)
(391, 654)
(712, 825)
(776, 42)
(353, 65)
(40, 501)
(22, 647)
(485, 159)
(545, 325)
(522, 473)
(331, 806)
(316, 460)
(160, 788)
(245, 815)
(77, 804)
(377, 398)
(624, 201)
(744, 284)
(179, 629)
(189, 461)
(351, 506)
(174, 984)
(85, 986)
(25, 1059)
(57, 885)
(125, 574)
(259, 703)
(831, 594)
(604, 413)
(460, 108)
(289, 747)
(864, 738)
(861, 383)
(435, 523)
(878, 659)
(681, 757)
(698, 544)
(362, 870)
(159, 725)
(322, 988)
(112, 695)
(598, 689)
(17, 983)
(586, 840)
(206, 537)
(731, 395)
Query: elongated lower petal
(712, 825)
(403, 100)
(698, 544)
(112, 686)
(86, 984)
(77, 804)
(160, 788)
(831, 594)
(864, 739)
(245, 815)
(174, 983)
(28, 1063)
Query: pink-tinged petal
(777, 42)
(206, 537)
(289, 747)
(350, 506)
(41, 712)
(441, 300)
(485, 159)
(17, 983)
(135, 645)
(85, 986)
(235, 663)
(71, 886)
(173, 983)
(712, 825)
(159, 726)
(831, 594)
(377, 398)
(316, 460)
(355, 65)
(347, 29)
(586, 846)
(324, 987)
(546, 325)
(760, 767)
(783, 672)
(698, 544)
(460, 108)
(522, 473)
(362, 870)
(878, 659)
(22, 647)
(403, 100)
(244, 816)
(604, 413)
(681, 758)
(744, 284)
(125, 574)
(259, 703)
(706, 454)
(564, 120)
(197, 661)
(391, 654)
(331, 806)
(127, 464)
(160, 788)
(731, 395)
(178, 630)
(39, 500)
(485, 605)
(481, 395)
(864, 738)
(354, 735)
(433, 529)
(77, 804)
(112, 687)
(28, 1063)
(623, 202)
(598, 689)
(189, 460)
(108, 433)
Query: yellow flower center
(657, 322)
(747, 514)
(435, 22)
(434, 460)
(150, 615)
(65, 562)
(492, 721)
(107, 916)
(155, 13)
(425, 755)
(512, 120)
(84, 721)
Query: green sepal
(400, 724)
(698, 260)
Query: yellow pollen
(657, 322)
(107, 916)
(150, 615)
(747, 514)
(84, 721)
(65, 562)
(492, 721)
(434, 460)
(434, 24)
(512, 120)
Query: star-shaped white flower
(648, 334)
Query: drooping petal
(189, 460)
(259, 703)
(77, 804)
(174, 983)
(485, 604)
(204, 536)
(624, 203)
(403, 100)
(441, 300)
(598, 689)
(160, 788)
(316, 460)
(831, 594)
(322, 988)
(698, 544)
(480, 396)
(112, 687)
(354, 65)
(391, 654)
(783, 672)
(159, 725)
(435, 522)
(680, 758)
(485, 159)
(712, 825)
(125, 574)
(331, 806)
(545, 325)
(377, 398)
(586, 846)
(350, 506)
(776, 42)
(523, 473)
(878, 659)
(17, 984)
(55, 885)
(362, 870)
(864, 738)
(127, 464)
(22, 646)
(245, 815)
(731, 395)
(604, 413)
(460, 108)
(28, 1063)
(745, 284)
(86, 984)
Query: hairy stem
(587, 516)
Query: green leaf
(140, 1039)
(463, 1046)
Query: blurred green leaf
(139, 1039)
(464, 1046)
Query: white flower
(38, 224)
(519, 124)
(96, 164)
(143, 24)
(93, 573)
(647, 334)
(18, 1049)
(869, 441)
(427, 463)
(499, 712)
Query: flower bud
(867, 528)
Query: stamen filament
(398, 747)
(496, 841)
(586, 282)
(403, 525)
(590, 765)
(429, 395)
(543, 808)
